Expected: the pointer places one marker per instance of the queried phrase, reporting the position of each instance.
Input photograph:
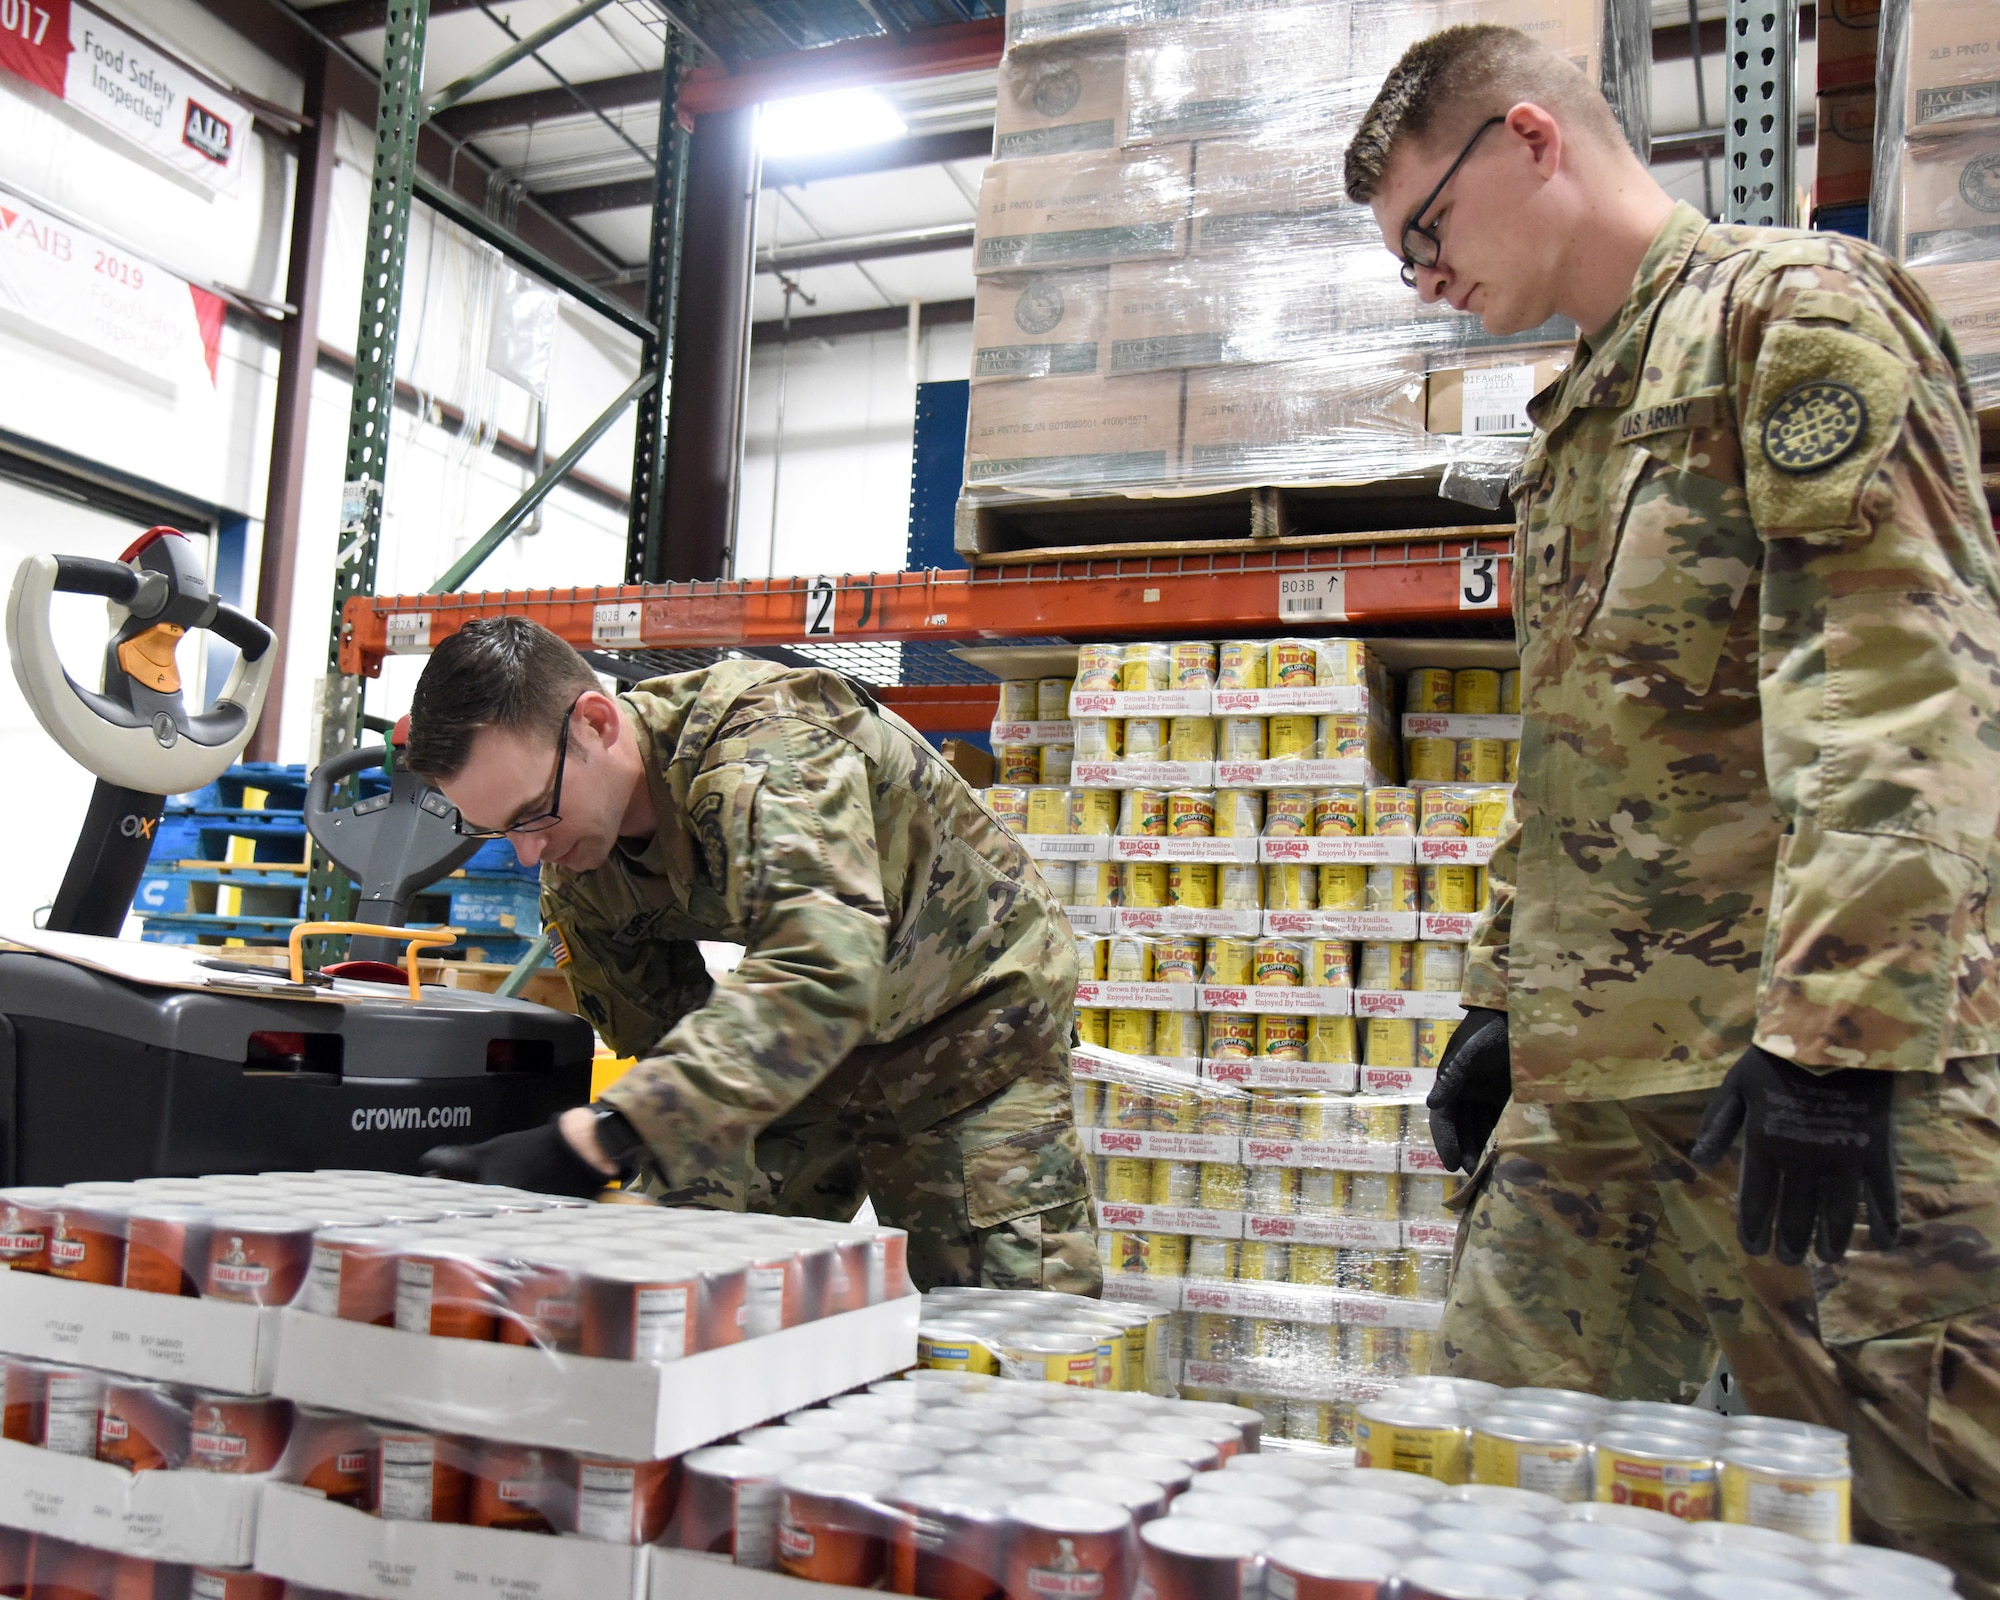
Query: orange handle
(414, 939)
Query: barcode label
(1500, 422)
(409, 633)
(615, 623)
(1312, 597)
(1496, 399)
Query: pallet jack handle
(412, 939)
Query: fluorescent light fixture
(841, 120)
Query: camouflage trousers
(995, 1193)
(1593, 1255)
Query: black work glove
(539, 1159)
(1815, 1145)
(1474, 1084)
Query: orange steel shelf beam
(1106, 598)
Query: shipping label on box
(1302, 421)
(1491, 397)
(1083, 210)
(1953, 64)
(1040, 325)
(203, 1518)
(1060, 99)
(208, 1343)
(636, 1410)
(1074, 432)
(1259, 195)
(1951, 198)
(1845, 41)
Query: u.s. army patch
(1813, 424)
(558, 945)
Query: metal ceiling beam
(866, 247)
(472, 118)
(344, 17)
(927, 53)
(847, 324)
(516, 52)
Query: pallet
(993, 530)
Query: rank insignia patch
(1813, 425)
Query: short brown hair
(1448, 84)
(498, 672)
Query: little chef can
(1068, 1549)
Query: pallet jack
(122, 1060)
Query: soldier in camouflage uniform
(1749, 878)
(899, 1024)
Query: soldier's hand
(540, 1159)
(1815, 1146)
(1474, 1084)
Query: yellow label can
(1489, 811)
(1192, 884)
(1384, 965)
(1232, 1036)
(1244, 738)
(1193, 664)
(1240, 886)
(1177, 1033)
(1191, 813)
(1131, 1032)
(1048, 811)
(1128, 1180)
(1052, 699)
(1437, 968)
(1263, 1261)
(1294, 664)
(1093, 957)
(1475, 691)
(1094, 812)
(1510, 693)
(1389, 1042)
(1222, 1186)
(1278, 962)
(1431, 1039)
(1430, 760)
(1550, 1455)
(1427, 691)
(1240, 664)
(1343, 886)
(1391, 813)
(1315, 1264)
(1321, 1192)
(1128, 959)
(1808, 1496)
(1513, 772)
(1191, 739)
(1175, 1183)
(1230, 961)
(1281, 1038)
(1142, 814)
(1480, 761)
(1656, 1473)
(1330, 963)
(1017, 700)
(1294, 737)
(1343, 664)
(1093, 1027)
(1239, 813)
(1407, 1438)
(1146, 738)
(1036, 1356)
(1448, 889)
(1273, 1191)
(1097, 884)
(1220, 1110)
(1018, 763)
(1146, 667)
(1330, 1040)
(1288, 814)
(1099, 738)
(1177, 958)
(1166, 1255)
(1291, 888)
(1057, 760)
(1343, 738)
(1445, 812)
(955, 1348)
(1098, 665)
(1009, 802)
(1391, 888)
(1337, 814)
(1143, 883)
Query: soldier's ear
(599, 713)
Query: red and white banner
(128, 84)
(71, 284)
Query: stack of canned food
(141, 1426)
(1044, 1337)
(1041, 745)
(952, 1484)
(1484, 751)
(38, 1564)
(1673, 1461)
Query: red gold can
(1430, 760)
(1048, 810)
(1242, 664)
(1343, 738)
(1191, 739)
(1193, 664)
(1427, 691)
(257, 1259)
(1330, 964)
(165, 1247)
(1291, 888)
(1017, 764)
(1431, 1039)
(1093, 812)
(420, 1477)
(1240, 886)
(1192, 884)
(1475, 691)
(1480, 761)
(87, 1244)
(448, 1289)
(1177, 958)
(1144, 667)
(1191, 813)
(1239, 813)
(1068, 1547)
(1294, 664)
(1243, 738)
(1009, 803)
(142, 1426)
(1142, 814)
(625, 1502)
(1092, 1026)
(1097, 666)
(1293, 738)
(1452, 890)
(333, 1454)
(1658, 1472)
(1232, 1036)
(1281, 1038)
(1338, 814)
(1331, 1039)
(1288, 814)
(1510, 692)
(1391, 888)
(1229, 961)
(1445, 813)
(514, 1486)
(1278, 963)
(237, 1433)
(1391, 813)
(830, 1527)
(1343, 886)
(1143, 883)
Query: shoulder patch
(558, 945)
(1814, 424)
(707, 820)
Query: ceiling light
(841, 120)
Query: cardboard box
(1845, 163)
(1846, 35)
(1061, 98)
(1045, 21)
(1500, 392)
(1953, 64)
(1197, 313)
(1255, 72)
(1380, 34)
(1074, 432)
(1083, 210)
(305, 1539)
(1044, 325)
(1253, 195)
(1965, 298)
(631, 1409)
(203, 1518)
(689, 1575)
(207, 1343)
(1950, 198)
(1303, 422)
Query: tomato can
(142, 1426)
(1405, 1437)
(1390, 813)
(1232, 1036)
(1657, 1472)
(1808, 1496)
(1062, 1547)
(71, 1404)
(1549, 1454)
(832, 1527)
(729, 1503)
(1294, 664)
(1240, 887)
(333, 1453)
(1338, 814)
(257, 1259)
(1291, 888)
(237, 1433)
(1281, 1038)
(1343, 886)
(86, 1243)
(950, 1540)
(1142, 814)
(1278, 963)
(165, 1247)
(60, 1570)
(1178, 958)
(1242, 664)
(1239, 813)
(1017, 764)
(420, 1477)
(1188, 1558)
(515, 1486)
(1428, 691)
(1192, 883)
(1288, 814)
(447, 1288)
(1009, 803)
(24, 1227)
(1098, 666)
(352, 1275)
(1093, 812)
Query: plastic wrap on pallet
(1083, 209)
(1061, 98)
(1277, 74)
(1935, 201)
(1275, 423)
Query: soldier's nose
(528, 847)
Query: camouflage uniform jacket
(872, 889)
(1759, 620)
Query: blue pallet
(484, 903)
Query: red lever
(138, 546)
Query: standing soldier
(899, 1024)
(1747, 885)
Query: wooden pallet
(1007, 530)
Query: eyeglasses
(541, 821)
(1421, 246)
